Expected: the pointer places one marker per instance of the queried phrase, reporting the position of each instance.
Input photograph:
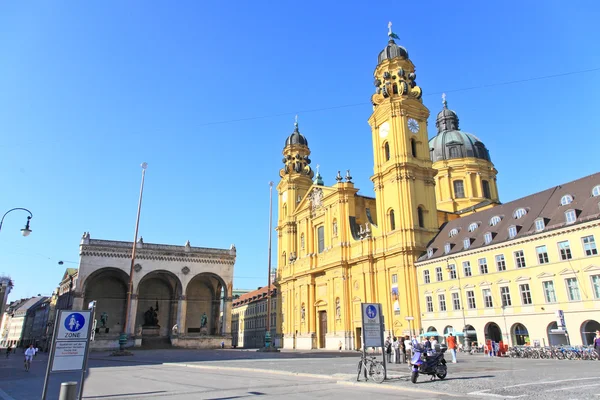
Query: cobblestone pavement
(175, 374)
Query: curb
(317, 376)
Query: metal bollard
(68, 391)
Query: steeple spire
(444, 102)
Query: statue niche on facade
(151, 316)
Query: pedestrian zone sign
(71, 340)
(372, 325)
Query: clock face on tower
(413, 125)
(384, 129)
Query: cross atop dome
(444, 102)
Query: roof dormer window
(596, 191)
(495, 220)
(540, 225)
(447, 248)
(566, 199)
(570, 216)
(487, 238)
(519, 213)
(453, 232)
(473, 226)
(467, 243)
(429, 253)
(512, 232)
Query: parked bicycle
(370, 368)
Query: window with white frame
(467, 243)
(540, 225)
(426, 277)
(520, 259)
(570, 216)
(505, 296)
(394, 278)
(429, 253)
(573, 289)
(495, 220)
(455, 301)
(500, 263)
(589, 245)
(471, 299)
(519, 213)
(447, 248)
(438, 274)
(525, 294)
(483, 268)
(596, 191)
(487, 238)
(452, 271)
(453, 232)
(488, 301)
(542, 253)
(467, 268)
(473, 227)
(549, 292)
(442, 301)
(512, 232)
(566, 199)
(596, 285)
(564, 249)
(429, 302)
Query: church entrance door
(322, 328)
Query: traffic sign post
(410, 319)
(372, 328)
(70, 344)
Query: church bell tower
(403, 176)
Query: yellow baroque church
(338, 249)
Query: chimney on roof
(258, 288)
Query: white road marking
(5, 396)
(484, 393)
(573, 387)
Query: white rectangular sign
(73, 325)
(68, 355)
(372, 323)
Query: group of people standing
(399, 350)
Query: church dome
(457, 144)
(450, 142)
(296, 138)
(392, 50)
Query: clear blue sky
(89, 91)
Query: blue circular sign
(74, 322)
(371, 311)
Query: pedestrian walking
(408, 348)
(597, 342)
(8, 350)
(397, 353)
(388, 349)
(451, 342)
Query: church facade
(338, 249)
(177, 295)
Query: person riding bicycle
(29, 353)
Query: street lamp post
(462, 304)
(268, 324)
(25, 231)
(123, 336)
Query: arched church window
(392, 221)
(283, 259)
(302, 241)
(386, 148)
(485, 186)
(459, 189)
(413, 147)
(284, 210)
(421, 217)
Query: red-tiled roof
(255, 295)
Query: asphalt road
(226, 374)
